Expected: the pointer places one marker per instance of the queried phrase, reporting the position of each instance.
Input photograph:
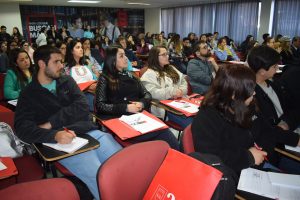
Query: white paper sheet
(297, 149)
(141, 122)
(13, 102)
(258, 182)
(76, 144)
(184, 105)
(285, 180)
(2, 166)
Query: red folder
(85, 85)
(182, 177)
(124, 131)
(195, 101)
(11, 167)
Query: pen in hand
(259, 148)
(68, 131)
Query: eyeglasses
(205, 47)
(164, 54)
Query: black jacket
(37, 105)
(213, 134)
(268, 110)
(114, 102)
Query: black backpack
(226, 188)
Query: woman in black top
(227, 125)
(121, 93)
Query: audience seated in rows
(50, 103)
(120, 93)
(229, 104)
(271, 100)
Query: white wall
(10, 16)
(152, 20)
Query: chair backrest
(190, 89)
(128, 173)
(7, 116)
(55, 188)
(187, 140)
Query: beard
(51, 74)
(206, 55)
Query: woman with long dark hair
(228, 125)
(164, 81)
(80, 69)
(221, 126)
(19, 75)
(119, 92)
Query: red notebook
(125, 131)
(85, 85)
(182, 177)
(10, 167)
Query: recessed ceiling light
(143, 4)
(78, 1)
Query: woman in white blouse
(164, 81)
(80, 69)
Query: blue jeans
(183, 121)
(165, 135)
(85, 165)
(90, 99)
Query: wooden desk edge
(287, 154)
(65, 155)
(239, 197)
(165, 107)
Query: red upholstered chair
(7, 116)
(187, 140)
(55, 188)
(29, 168)
(128, 173)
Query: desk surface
(288, 153)
(157, 103)
(49, 154)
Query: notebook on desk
(134, 125)
(269, 184)
(76, 144)
(186, 106)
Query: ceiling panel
(115, 3)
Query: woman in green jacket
(19, 75)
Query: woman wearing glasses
(121, 93)
(164, 81)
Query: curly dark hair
(230, 89)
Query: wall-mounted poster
(34, 23)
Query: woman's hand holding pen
(259, 155)
(65, 137)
